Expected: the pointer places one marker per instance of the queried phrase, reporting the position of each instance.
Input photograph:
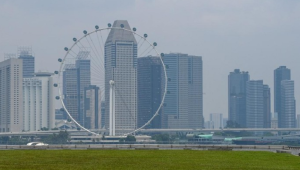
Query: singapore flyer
(100, 70)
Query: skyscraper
(38, 97)
(83, 67)
(237, 96)
(217, 119)
(267, 107)
(287, 115)
(76, 77)
(11, 95)
(92, 107)
(121, 67)
(25, 53)
(70, 90)
(150, 89)
(183, 105)
(255, 104)
(281, 73)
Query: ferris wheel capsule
(74, 39)
(97, 27)
(134, 29)
(109, 25)
(85, 32)
(55, 85)
(122, 25)
(162, 54)
(145, 35)
(66, 49)
(57, 97)
(59, 60)
(154, 44)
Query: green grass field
(145, 159)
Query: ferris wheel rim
(95, 31)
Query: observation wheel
(100, 71)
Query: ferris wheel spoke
(101, 62)
(94, 51)
(141, 55)
(102, 51)
(139, 41)
(94, 62)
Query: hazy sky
(252, 35)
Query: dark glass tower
(287, 115)
(75, 78)
(280, 74)
(92, 107)
(237, 96)
(149, 79)
(254, 104)
(28, 61)
(267, 107)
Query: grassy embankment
(145, 159)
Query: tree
(61, 138)
(232, 124)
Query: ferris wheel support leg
(112, 118)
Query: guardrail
(150, 146)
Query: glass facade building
(280, 74)
(287, 114)
(254, 104)
(75, 78)
(237, 96)
(28, 63)
(267, 107)
(92, 107)
(150, 89)
(183, 105)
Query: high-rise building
(281, 73)
(76, 77)
(217, 119)
(267, 107)
(121, 67)
(11, 95)
(70, 88)
(287, 114)
(237, 96)
(150, 89)
(183, 105)
(25, 53)
(38, 102)
(255, 104)
(92, 107)
(83, 67)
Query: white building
(11, 100)
(121, 67)
(38, 102)
(217, 119)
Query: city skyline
(241, 37)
